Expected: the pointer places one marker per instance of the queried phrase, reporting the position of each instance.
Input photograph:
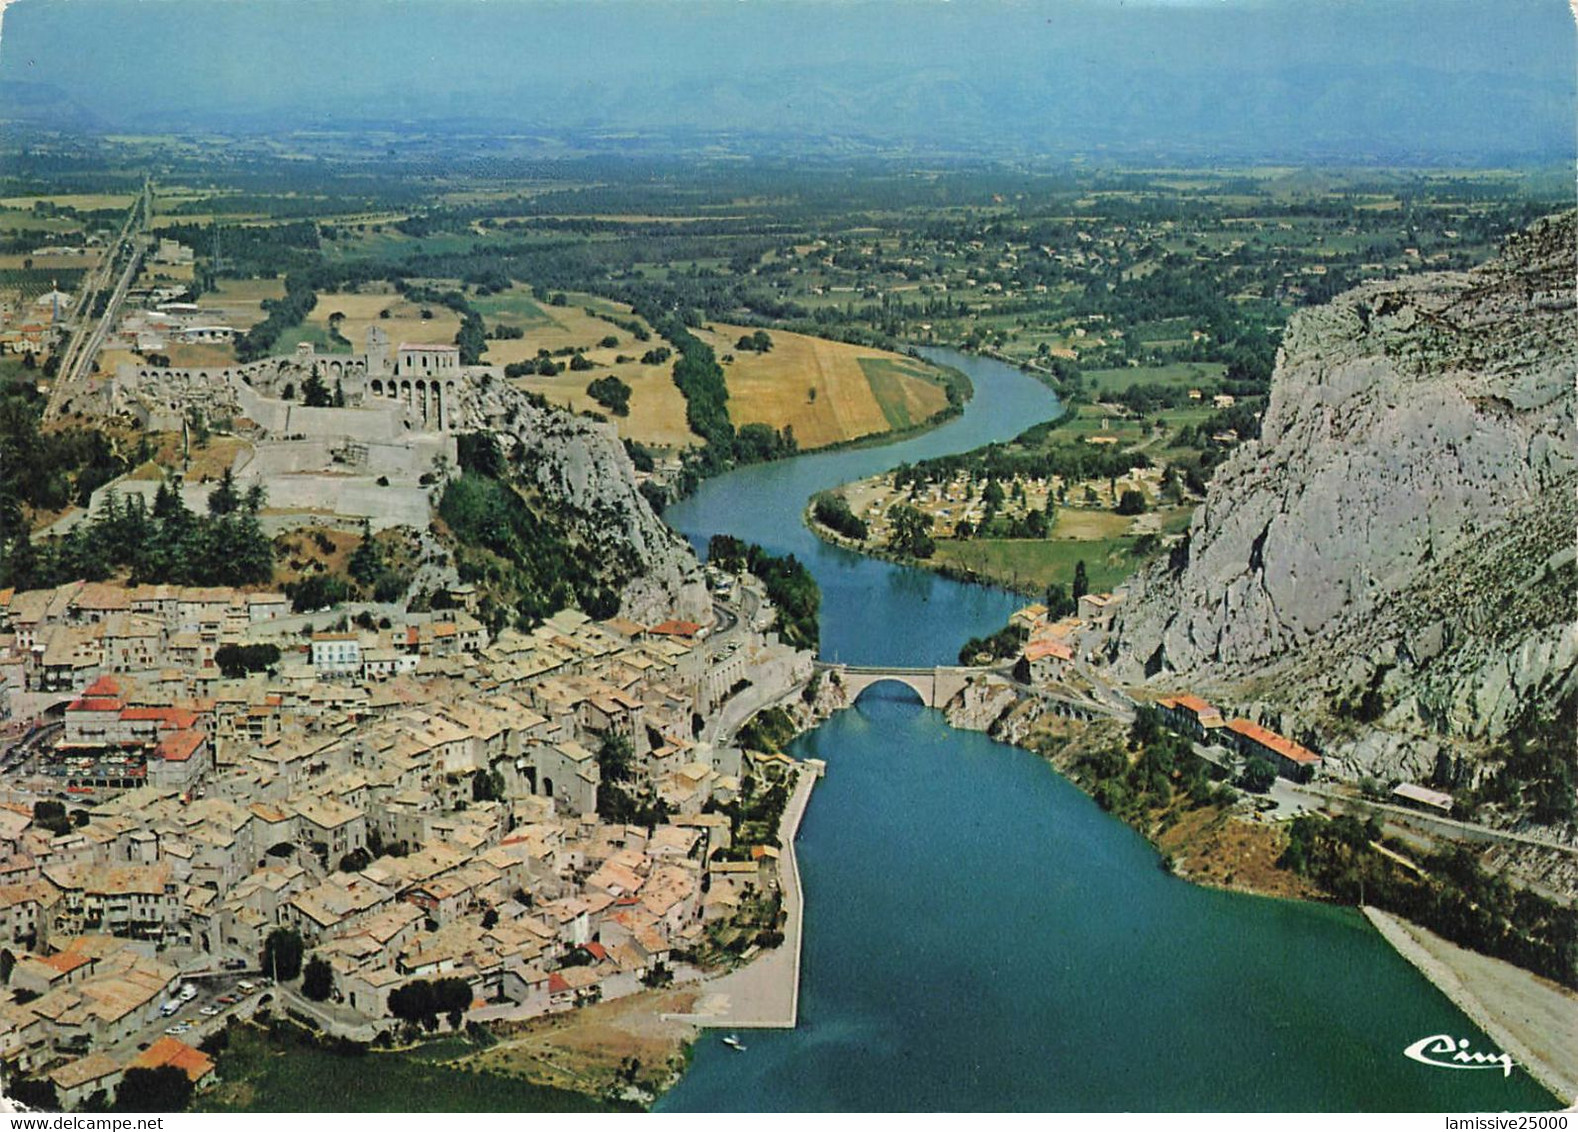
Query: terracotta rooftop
(170, 1051)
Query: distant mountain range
(1392, 80)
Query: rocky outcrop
(585, 475)
(1404, 527)
(996, 706)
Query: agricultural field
(1185, 375)
(657, 408)
(82, 202)
(405, 321)
(240, 301)
(1030, 565)
(828, 392)
(24, 261)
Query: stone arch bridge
(935, 686)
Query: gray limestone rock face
(581, 465)
(1401, 521)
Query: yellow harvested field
(860, 391)
(657, 407)
(109, 359)
(404, 324)
(167, 273)
(182, 356)
(21, 261)
(564, 327)
(80, 201)
(1090, 524)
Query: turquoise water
(980, 935)
(874, 611)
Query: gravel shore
(1531, 1018)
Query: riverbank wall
(765, 993)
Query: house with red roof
(179, 759)
(1047, 658)
(1192, 716)
(197, 1065)
(1292, 760)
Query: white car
(209, 1011)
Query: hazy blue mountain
(1386, 79)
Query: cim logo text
(1445, 1052)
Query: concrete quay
(765, 993)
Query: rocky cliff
(582, 469)
(1397, 549)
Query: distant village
(413, 799)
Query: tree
(36, 1094)
(1147, 726)
(1081, 581)
(51, 815)
(224, 499)
(317, 979)
(315, 393)
(416, 1004)
(1059, 603)
(235, 661)
(1257, 775)
(367, 559)
(282, 952)
(611, 393)
(452, 997)
(487, 786)
(165, 1089)
(1131, 502)
(911, 531)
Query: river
(980, 935)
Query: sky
(1489, 79)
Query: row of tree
(168, 544)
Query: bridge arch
(935, 686)
(922, 686)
